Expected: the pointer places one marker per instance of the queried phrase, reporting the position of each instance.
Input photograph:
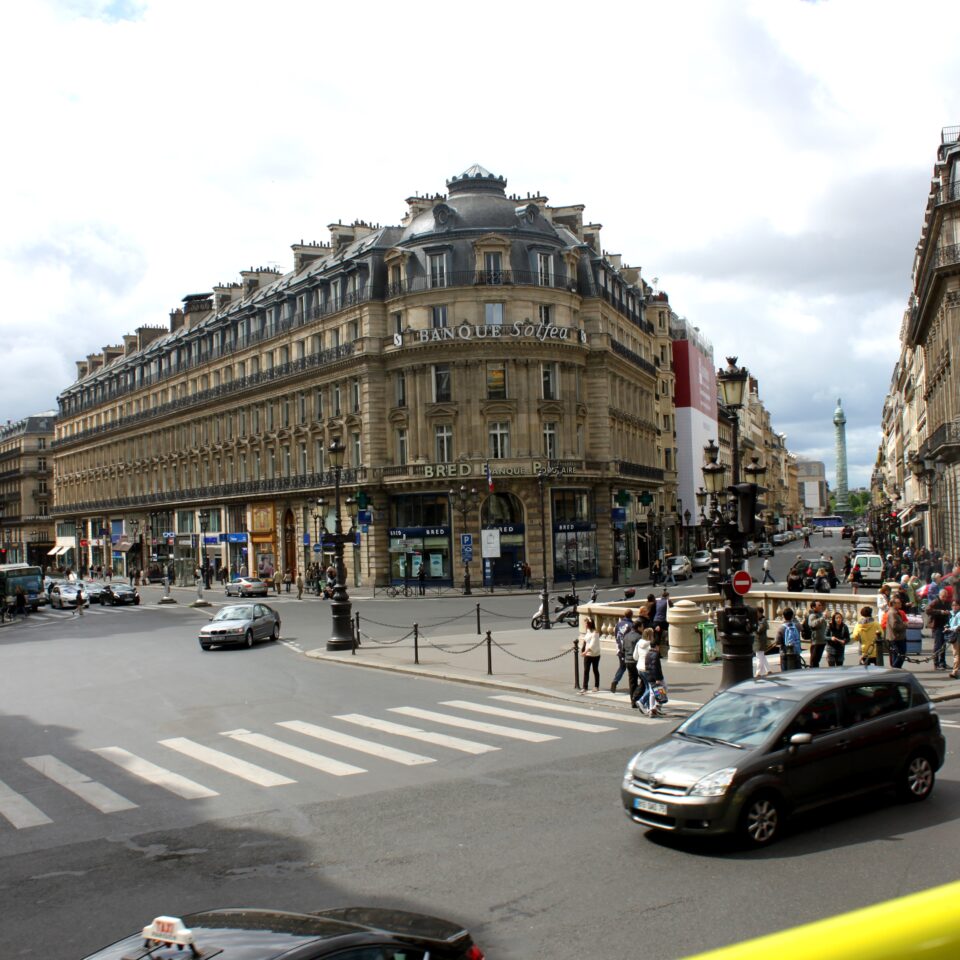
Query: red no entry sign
(742, 581)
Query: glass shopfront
(574, 535)
(420, 536)
(504, 512)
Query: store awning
(53, 551)
(911, 523)
(123, 546)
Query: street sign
(466, 554)
(466, 540)
(742, 582)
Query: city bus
(827, 525)
(13, 575)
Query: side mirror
(800, 740)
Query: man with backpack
(814, 629)
(626, 636)
(788, 639)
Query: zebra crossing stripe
(454, 721)
(355, 743)
(415, 733)
(159, 776)
(228, 764)
(96, 794)
(290, 752)
(563, 708)
(19, 811)
(528, 717)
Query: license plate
(650, 806)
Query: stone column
(683, 618)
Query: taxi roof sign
(168, 930)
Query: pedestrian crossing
(290, 751)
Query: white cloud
(768, 162)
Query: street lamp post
(686, 531)
(341, 635)
(542, 475)
(204, 517)
(463, 503)
(135, 523)
(736, 522)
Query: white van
(871, 567)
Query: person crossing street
(767, 575)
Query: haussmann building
(480, 359)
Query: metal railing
(480, 278)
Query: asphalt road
(525, 843)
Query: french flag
(489, 478)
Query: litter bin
(708, 641)
(914, 634)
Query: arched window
(500, 509)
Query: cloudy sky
(767, 161)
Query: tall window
(355, 395)
(301, 407)
(318, 455)
(336, 399)
(401, 388)
(545, 269)
(271, 463)
(499, 433)
(441, 383)
(438, 269)
(545, 314)
(550, 441)
(497, 381)
(286, 461)
(398, 322)
(493, 267)
(257, 466)
(302, 466)
(355, 451)
(243, 466)
(550, 378)
(401, 447)
(493, 314)
(443, 435)
(438, 316)
(318, 403)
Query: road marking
(614, 698)
(454, 721)
(223, 761)
(96, 794)
(287, 750)
(562, 708)
(415, 733)
(19, 811)
(949, 723)
(159, 776)
(355, 743)
(529, 717)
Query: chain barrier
(386, 643)
(440, 646)
(502, 616)
(459, 616)
(517, 656)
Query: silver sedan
(241, 624)
(246, 587)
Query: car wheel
(917, 778)
(248, 640)
(761, 819)
(276, 632)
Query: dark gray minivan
(764, 749)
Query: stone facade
(487, 335)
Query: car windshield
(234, 612)
(742, 721)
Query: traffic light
(720, 558)
(746, 494)
(362, 499)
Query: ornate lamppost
(319, 517)
(686, 531)
(135, 523)
(542, 475)
(341, 635)
(463, 502)
(204, 517)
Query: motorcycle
(566, 610)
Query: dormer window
(437, 265)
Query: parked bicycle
(401, 590)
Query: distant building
(812, 488)
(26, 490)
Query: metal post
(544, 593)
(340, 607)
(356, 632)
(489, 655)
(576, 666)
(416, 643)
(478, 620)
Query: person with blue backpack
(788, 639)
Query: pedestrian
(855, 578)
(662, 605)
(655, 571)
(20, 603)
(767, 575)
(760, 643)
(788, 639)
(670, 576)
(817, 624)
(883, 600)
(287, 581)
(653, 675)
(80, 602)
(277, 580)
(527, 573)
(422, 578)
(591, 656)
(953, 637)
(822, 581)
(623, 634)
(299, 585)
(867, 633)
(894, 624)
(838, 636)
(938, 616)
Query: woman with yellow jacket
(867, 632)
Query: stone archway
(289, 544)
(505, 512)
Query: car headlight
(631, 770)
(714, 784)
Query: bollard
(416, 643)
(576, 665)
(356, 634)
(489, 655)
(881, 644)
(479, 631)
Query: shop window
(420, 510)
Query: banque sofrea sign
(494, 331)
